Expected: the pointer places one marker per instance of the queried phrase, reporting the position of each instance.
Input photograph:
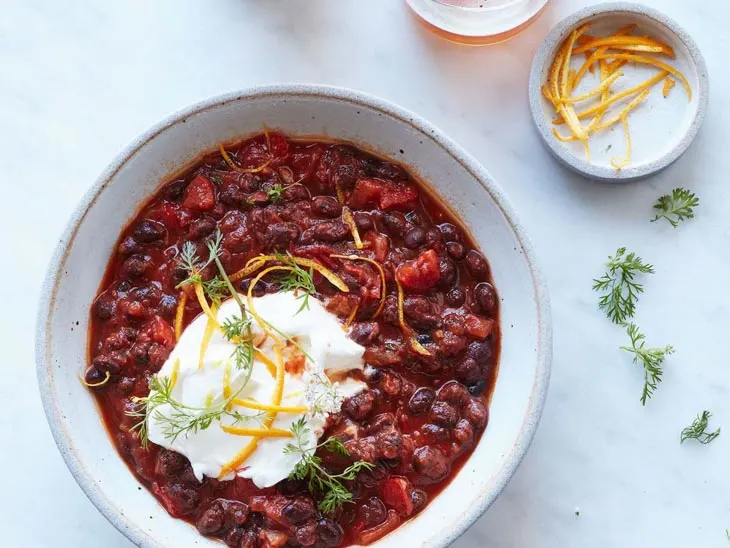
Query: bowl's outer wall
(84, 251)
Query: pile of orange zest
(257, 432)
(407, 331)
(667, 87)
(270, 365)
(257, 262)
(627, 43)
(200, 294)
(250, 404)
(107, 376)
(376, 264)
(174, 373)
(590, 61)
(604, 104)
(350, 221)
(619, 163)
(653, 62)
(179, 315)
(235, 167)
(210, 328)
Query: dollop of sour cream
(307, 383)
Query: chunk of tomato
(421, 273)
(199, 194)
(387, 195)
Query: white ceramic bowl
(82, 255)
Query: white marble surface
(80, 79)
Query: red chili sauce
(422, 415)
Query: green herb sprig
(334, 493)
(698, 430)
(618, 284)
(676, 207)
(651, 359)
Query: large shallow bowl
(84, 251)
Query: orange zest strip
(592, 58)
(407, 331)
(200, 294)
(630, 43)
(107, 376)
(340, 193)
(250, 404)
(624, 112)
(594, 109)
(174, 373)
(252, 308)
(546, 93)
(210, 327)
(268, 139)
(603, 86)
(227, 381)
(180, 314)
(270, 365)
(352, 315)
(350, 221)
(559, 77)
(235, 167)
(258, 432)
(376, 264)
(239, 459)
(257, 262)
(650, 61)
(622, 163)
(667, 87)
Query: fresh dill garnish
(621, 291)
(274, 193)
(216, 179)
(651, 359)
(698, 430)
(296, 280)
(676, 207)
(182, 419)
(329, 486)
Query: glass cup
(477, 22)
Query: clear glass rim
(455, 4)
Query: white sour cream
(315, 329)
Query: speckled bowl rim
(545, 55)
(63, 437)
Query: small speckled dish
(661, 128)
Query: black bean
(327, 206)
(419, 498)
(128, 246)
(167, 306)
(415, 238)
(107, 362)
(105, 308)
(299, 510)
(149, 231)
(456, 250)
(468, 371)
(420, 312)
(363, 221)
(395, 222)
(435, 240)
(330, 231)
(330, 533)
(477, 265)
(94, 376)
(237, 513)
(443, 414)
(281, 234)
(306, 535)
(373, 512)
(200, 228)
(455, 297)
(476, 413)
(360, 405)
(431, 463)
(421, 401)
(170, 463)
(182, 500)
(212, 519)
(295, 193)
(434, 434)
(136, 265)
(453, 392)
(449, 274)
(463, 432)
(477, 389)
(486, 298)
(365, 333)
(174, 191)
(480, 351)
(232, 196)
(450, 232)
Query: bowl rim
(64, 439)
(546, 52)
